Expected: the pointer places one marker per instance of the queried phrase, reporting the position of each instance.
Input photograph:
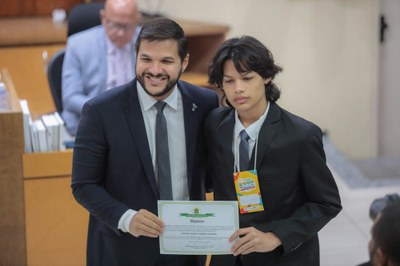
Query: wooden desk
(27, 67)
(56, 225)
(41, 30)
(31, 31)
(26, 45)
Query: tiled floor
(344, 241)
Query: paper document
(197, 227)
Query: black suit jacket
(298, 191)
(113, 171)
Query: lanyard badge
(248, 191)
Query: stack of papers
(45, 134)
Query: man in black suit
(115, 171)
(291, 194)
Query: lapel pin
(194, 107)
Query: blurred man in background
(99, 58)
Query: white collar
(254, 128)
(148, 101)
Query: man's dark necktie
(162, 154)
(244, 150)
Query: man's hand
(145, 223)
(253, 240)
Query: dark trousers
(180, 260)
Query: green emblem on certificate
(197, 214)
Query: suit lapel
(267, 133)
(134, 117)
(190, 123)
(226, 128)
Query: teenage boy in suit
(278, 172)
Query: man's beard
(170, 85)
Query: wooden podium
(12, 210)
(41, 223)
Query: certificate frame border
(160, 204)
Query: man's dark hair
(161, 29)
(386, 232)
(379, 204)
(248, 55)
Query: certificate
(197, 227)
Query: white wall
(328, 50)
(389, 93)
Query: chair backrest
(84, 16)
(54, 69)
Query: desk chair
(84, 16)
(54, 69)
